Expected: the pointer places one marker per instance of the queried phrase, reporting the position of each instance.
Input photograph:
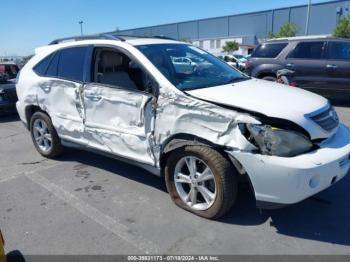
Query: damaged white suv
(201, 128)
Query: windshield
(188, 67)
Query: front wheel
(201, 180)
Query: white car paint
(270, 99)
(275, 179)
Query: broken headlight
(279, 142)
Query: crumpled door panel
(115, 121)
(59, 99)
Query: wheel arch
(177, 141)
(29, 112)
(264, 74)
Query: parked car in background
(201, 131)
(184, 65)
(8, 70)
(320, 64)
(8, 96)
(236, 61)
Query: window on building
(212, 43)
(338, 50)
(218, 43)
(71, 63)
(269, 50)
(308, 50)
(201, 44)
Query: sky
(27, 24)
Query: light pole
(81, 27)
(308, 18)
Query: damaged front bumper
(279, 181)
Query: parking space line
(96, 215)
(23, 173)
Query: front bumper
(282, 180)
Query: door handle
(289, 65)
(331, 66)
(92, 96)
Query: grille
(327, 119)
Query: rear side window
(338, 50)
(41, 67)
(71, 63)
(52, 69)
(269, 50)
(308, 50)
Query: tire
(222, 171)
(270, 78)
(54, 148)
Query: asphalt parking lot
(84, 203)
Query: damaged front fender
(179, 115)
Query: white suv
(202, 131)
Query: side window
(338, 50)
(308, 50)
(269, 50)
(114, 68)
(41, 67)
(71, 63)
(52, 69)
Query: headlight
(279, 142)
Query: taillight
(248, 64)
(293, 83)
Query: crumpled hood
(268, 98)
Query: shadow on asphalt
(6, 118)
(324, 217)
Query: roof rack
(87, 37)
(141, 36)
(311, 37)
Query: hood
(271, 99)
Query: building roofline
(228, 16)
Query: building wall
(322, 21)
(252, 27)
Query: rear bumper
(279, 181)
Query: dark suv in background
(8, 96)
(321, 64)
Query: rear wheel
(199, 179)
(44, 136)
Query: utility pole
(308, 18)
(81, 27)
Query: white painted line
(19, 174)
(96, 215)
(10, 177)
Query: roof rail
(87, 37)
(143, 36)
(311, 37)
